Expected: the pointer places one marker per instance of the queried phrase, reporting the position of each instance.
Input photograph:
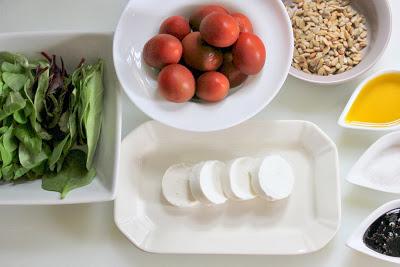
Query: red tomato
(177, 26)
(233, 74)
(161, 50)
(249, 53)
(220, 30)
(199, 55)
(244, 22)
(201, 12)
(176, 83)
(212, 86)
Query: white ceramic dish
(379, 167)
(342, 119)
(304, 223)
(73, 46)
(356, 240)
(379, 24)
(141, 20)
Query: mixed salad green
(50, 121)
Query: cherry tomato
(161, 50)
(177, 26)
(201, 12)
(199, 55)
(249, 53)
(212, 86)
(244, 22)
(176, 83)
(220, 30)
(233, 74)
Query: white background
(85, 235)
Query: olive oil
(378, 103)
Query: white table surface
(85, 235)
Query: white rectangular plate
(305, 222)
(72, 46)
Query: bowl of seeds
(337, 40)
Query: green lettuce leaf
(57, 151)
(28, 138)
(11, 67)
(7, 172)
(13, 103)
(14, 58)
(30, 159)
(91, 97)
(72, 175)
(6, 155)
(9, 141)
(43, 84)
(15, 81)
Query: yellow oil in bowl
(378, 103)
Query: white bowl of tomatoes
(202, 66)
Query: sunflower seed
(329, 35)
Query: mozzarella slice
(237, 182)
(175, 186)
(275, 179)
(205, 182)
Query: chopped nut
(334, 61)
(321, 71)
(329, 35)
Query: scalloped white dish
(303, 223)
(356, 240)
(379, 167)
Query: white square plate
(72, 47)
(305, 222)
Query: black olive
(383, 236)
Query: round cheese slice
(237, 182)
(275, 179)
(205, 182)
(175, 186)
